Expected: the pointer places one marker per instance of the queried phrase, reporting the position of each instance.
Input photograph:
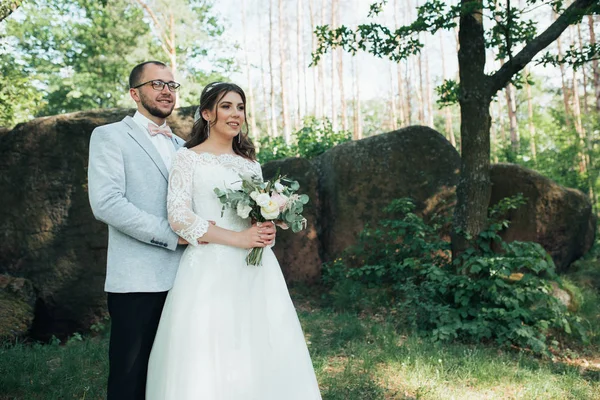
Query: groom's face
(158, 103)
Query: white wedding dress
(228, 331)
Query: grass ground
(356, 358)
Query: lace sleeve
(182, 218)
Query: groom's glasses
(159, 85)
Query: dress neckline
(215, 155)
(219, 156)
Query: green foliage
(494, 291)
(316, 137)
(60, 56)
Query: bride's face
(229, 115)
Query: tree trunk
(449, 128)
(272, 72)
(7, 7)
(251, 113)
(473, 190)
(494, 138)
(595, 67)
(511, 105)
(393, 105)
(340, 70)
(421, 90)
(428, 98)
(334, 116)
(401, 111)
(407, 93)
(287, 129)
(322, 71)
(584, 74)
(565, 89)
(532, 133)
(315, 69)
(301, 67)
(357, 117)
(265, 89)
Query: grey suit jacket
(127, 186)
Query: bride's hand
(257, 236)
(269, 229)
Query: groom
(127, 180)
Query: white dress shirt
(163, 144)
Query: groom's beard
(153, 109)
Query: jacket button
(153, 241)
(165, 245)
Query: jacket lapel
(143, 140)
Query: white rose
(254, 195)
(279, 187)
(243, 210)
(262, 199)
(270, 211)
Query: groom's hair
(136, 72)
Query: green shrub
(493, 291)
(316, 137)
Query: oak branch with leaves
(509, 30)
(7, 7)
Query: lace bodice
(192, 202)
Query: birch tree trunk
(531, 125)
(512, 117)
(420, 90)
(332, 99)
(301, 63)
(595, 68)
(393, 106)
(563, 79)
(428, 97)
(266, 103)
(357, 133)
(315, 69)
(583, 73)
(252, 113)
(401, 102)
(340, 70)
(447, 112)
(272, 72)
(287, 129)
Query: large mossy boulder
(17, 305)
(560, 219)
(50, 236)
(299, 254)
(358, 179)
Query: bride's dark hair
(212, 94)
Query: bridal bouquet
(275, 200)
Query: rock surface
(17, 302)
(358, 179)
(558, 218)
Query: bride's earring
(240, 137)
(208, 129)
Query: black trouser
(134, 321)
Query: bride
(228, 331)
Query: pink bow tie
(155, 130)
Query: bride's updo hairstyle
(212, 94)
